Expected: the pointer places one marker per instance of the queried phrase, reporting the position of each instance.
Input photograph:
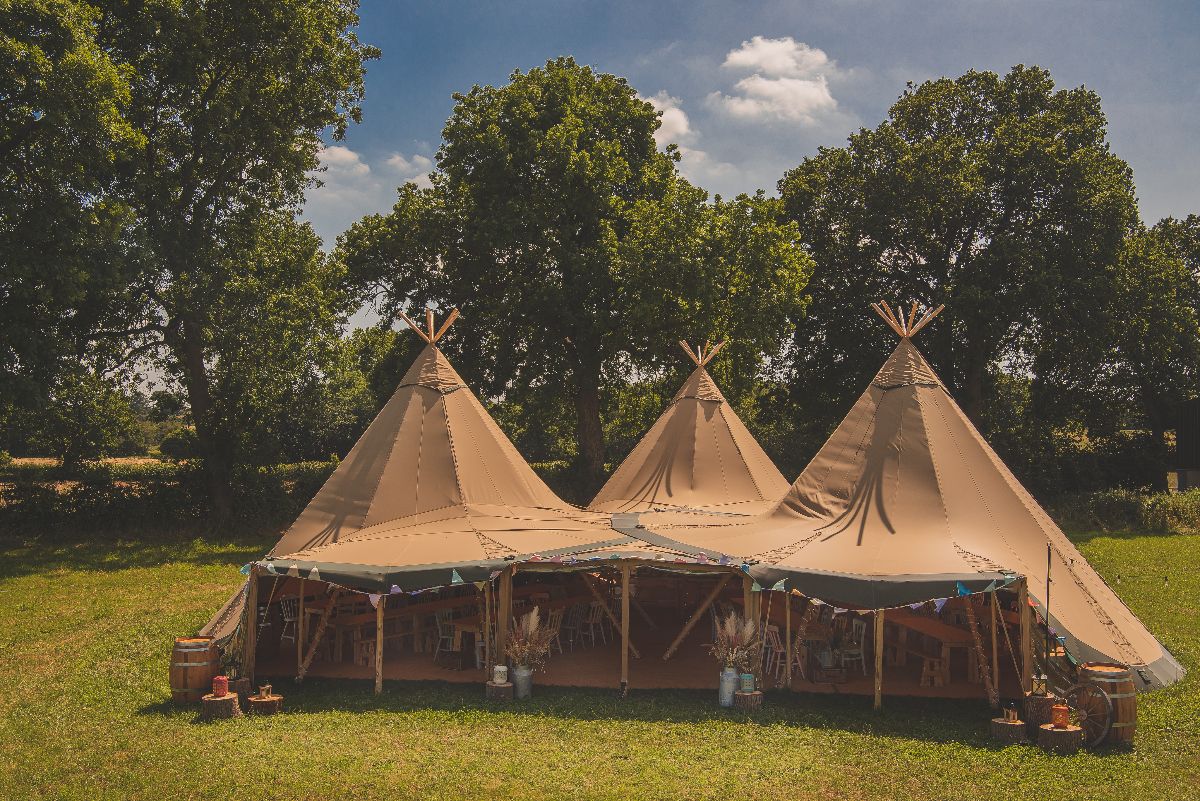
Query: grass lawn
(85, 635)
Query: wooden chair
(289, 609)
(594, 622)
(445, 632)
(853, 646)
(776, 653)
(931, 672)
(554, 624)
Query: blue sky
(749, 89)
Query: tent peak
(702, 356)
(429, 334)
(905, 328)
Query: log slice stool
(751, 700)
(220, 707)
(499, 691)
(1008, 731)
(1060, 741)
(266, 704)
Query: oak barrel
(194, 662)
(1117, 681)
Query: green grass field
(85, 633)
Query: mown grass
(85, 632)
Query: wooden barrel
(1117, 681)
(194, 662)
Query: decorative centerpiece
(527, 649)
(738, 649)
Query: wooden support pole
(590, 582)
(995, 658)
(487, 626)
(300, 632)
(625, 569)
(250, 635)
(504, 612)
(316, 640)
(747, 596)
(378, 643)
(695, 618)
(878, 659)
(1026, 636)
(787, 636)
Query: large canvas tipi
(906, 502)
(431, 494)
(697, 456)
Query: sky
(748, 90)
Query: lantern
(1059, 716)
(1039, 684)
(220, 687)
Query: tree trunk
(589, 433)
(189, 347)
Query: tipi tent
(432, 493)
(905, 502)
(697, 455)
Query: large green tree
(62, 135)
(574, 249)
(996, 195)
(230, 100)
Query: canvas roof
(904, 501)
(697, 455)
(432, 492)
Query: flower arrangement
(738, 645)
(529, 642)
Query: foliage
(106, 496)
(998, 196)
(63, 98)
(738, 644)
(529, 641)
(1131, 510)
(553, 194)
(180, 444)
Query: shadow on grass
(927, 719)
(26, 554)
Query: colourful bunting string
(374, 598)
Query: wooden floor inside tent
(691, 667)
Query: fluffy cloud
(789, 81)
(677, 129)
(351, 189)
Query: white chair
(853, 647)
(593, 623)
(776, 653)
(554, 623)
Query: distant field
(85, 713)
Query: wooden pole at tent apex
(379, 644)
(250, 635)
(878, 659)
(625, 569)
(428, 333)
(702, 356)
(905, 328)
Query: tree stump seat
(220, 707)
(751, 700)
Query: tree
(998, 196)
(230, 99)
(86, 417)
(62, 132)
(573, 247)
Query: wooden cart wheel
(1092, 710)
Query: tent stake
(878, 659)
(378, 643)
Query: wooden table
(946, 637)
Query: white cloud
(789, 81)
(350, 189)
(676, 128)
